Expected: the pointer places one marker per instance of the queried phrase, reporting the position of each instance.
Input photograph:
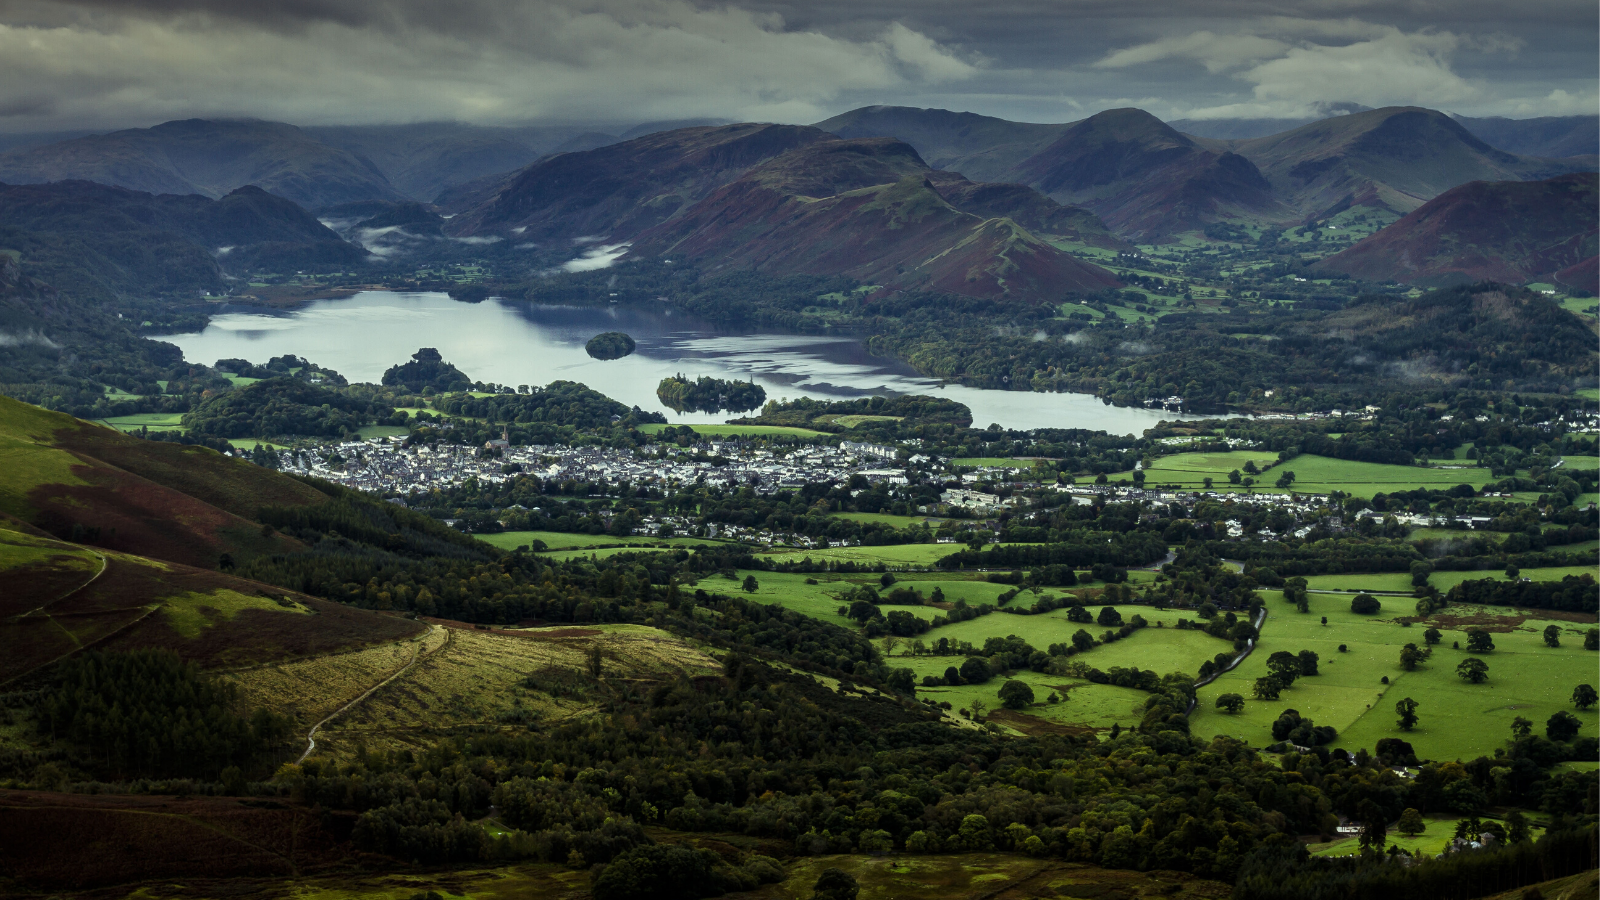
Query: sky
(101, 64)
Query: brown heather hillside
(1507, 231)
(1394, 158)
(1147, 181)
(620, 190)
(165, 501)
(867, 209)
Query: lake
(516, 342)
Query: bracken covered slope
(1508, 231)
(867, 209)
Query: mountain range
(1149, 181)
(99, 241)
(790, 199)
(1483, 231)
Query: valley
(912, 503)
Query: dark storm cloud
(99, 63)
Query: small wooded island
(610, 345)
(709, 394)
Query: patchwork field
(1313, 474)
(1400, 582)
(1458, 720)
(908, 555)
(744, 430)
(560, 540)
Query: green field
(561, 540)
(744, 430)
(993, 462)
(1313, 474)
(252, 443)
(1440, 831)
(368, 432)
(152, 421)
(1161, 649)
(882, 519)
(1400, 582)
(1458, 720)
(912, 555)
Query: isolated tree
(1308, 662)
(1409, 657)
(1411, 823)
(890, 643)
(1521, 728)
(597, 660)
(1563, 726)
(1374, 830)
(1284, 666)
(1207, 482)
(1552, 636)
(952, 676)
(1109, 617)
(1591, 639)
(1512, 572)
(1432, 636)
(1083, 640)
(1365, 605)
(1420, 570)
(1267, 688)
(1474, 671)
(976, 670)
(1234, 477)
(835, 884)
(978, 709)
(1016, 695)
(1479, 641)
(887, 580)
(1584, 696)
(1407, 709)
(750, 584)
(1517, 827)
(1233, 703)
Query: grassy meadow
(1458, 720)
(744, 430)
(1313, 474)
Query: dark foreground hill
(211, 158)
(1508, 231)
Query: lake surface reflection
(515, 342)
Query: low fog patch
(29, 338)
(601, 257)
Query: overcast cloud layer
(118, 63)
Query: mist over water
(515, 342)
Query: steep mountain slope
(981, 147)
(622, 189)
(422, 160)
(166, 501)
(866, 209)
(167, 241)
(212, 158)
(1547, 136)
(1144, 179)
(1027, 207)
(1507, 231)
(1395, 158)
